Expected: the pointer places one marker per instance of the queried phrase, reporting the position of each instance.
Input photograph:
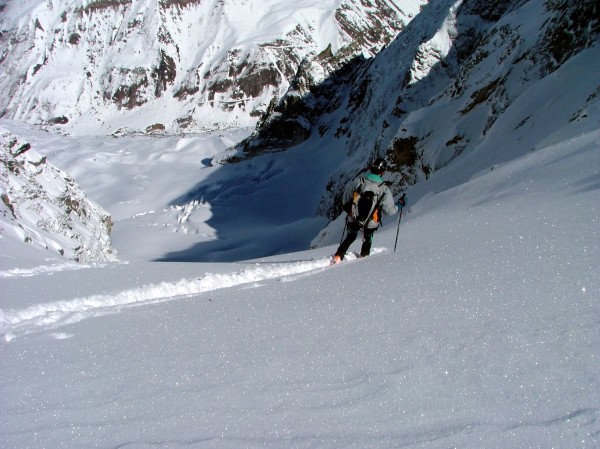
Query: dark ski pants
(353, 230)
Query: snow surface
(119, 46)
(480, 331)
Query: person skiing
(364, 200)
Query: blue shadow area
(260, 207)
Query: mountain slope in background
(466, 86)
(180, 65)
(158, 67)
(468, 78)
(42, 207)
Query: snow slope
(43, 207)
(480, 331)
(485, 80)
(95, 67)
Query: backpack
(365, 204)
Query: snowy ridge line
(60, 313)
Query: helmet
(379, 165)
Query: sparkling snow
(480, 331)
(219, 328)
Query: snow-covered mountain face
(485, 81)
(43, 207)
(176, 65)
(488, 79)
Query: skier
(364, 200)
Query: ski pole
(398, 230)
(401, 201)
(344, 231)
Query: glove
(402, 200)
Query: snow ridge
(60, 313)
(43, 205)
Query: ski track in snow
(51, 315)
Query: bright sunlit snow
(481, 330)
(219, 327)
